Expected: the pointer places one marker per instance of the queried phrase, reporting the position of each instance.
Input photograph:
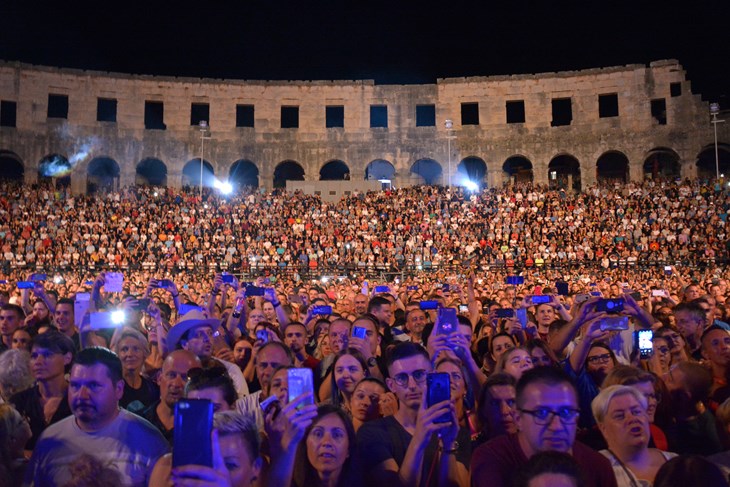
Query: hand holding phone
(193, 424)
(447, 321)
(438, 390)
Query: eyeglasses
(599, 358)
(402, 379)
(544, 416)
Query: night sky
(390, 42)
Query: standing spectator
(11, 318)
(98, 427)
(132, 348)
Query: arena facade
(96, 129)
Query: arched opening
(518, 169)
(244, 173)
(428, 169)
(287, 171)
(613, 167)
(379, 169)
(706, 161)
(564, 172)
(11, 167)
(151, 172)
(102, 175)
(334, 171)
(55, 167)
(471, 169)
(191, 174)
(662, 163)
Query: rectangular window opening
(515, 111)
(608, 105)
(378, 116)
(244, 116)
(289, 117)
(675, 89)
(106, 110)
(470, 114)
(57, 106)
(154, 115)
(199, 112)
(562, 112)
(8, 110)
(659, 111)
(425, 115)
(334, 116)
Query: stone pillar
(636, 171)
(687, 169)
(266, 182)
(78, 182)
(174, 179)
(494, 178)
(539, 174)
(357, 175)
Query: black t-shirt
(138, 399)
(385, 438)
(28, 404)
(150, 414)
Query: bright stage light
(471, 185)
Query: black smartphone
(412, 288)
(164, 283)
(192, 444)
(515, 280)
(255, 291)
(615, 305)
(447, 321)
(439, 390)
(505, 313)
(562, 288)
(142, 304)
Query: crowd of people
(451, 338)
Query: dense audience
(418, 337)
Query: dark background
(390, 42)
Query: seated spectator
(15, 373)
(621, 415)
(132, 348)
(47, 402)
(547, 418)
(690, 471)
(98, 427)
(14, 434)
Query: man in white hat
(195, 333)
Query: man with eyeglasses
(401, 449)
(547, 420)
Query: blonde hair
(600, 403)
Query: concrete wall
(634, 133)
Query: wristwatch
(372, 362)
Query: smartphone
(322, 310)
(562, 288)
(412, 288)
(89, 283)
(426, 305)
(658, 293)
(505, 313)
(668, 270)
(271, 402)
(262, 336)
(463, 308)
(38, 277)
(447, 321)
(359, 332)
(514, 280)
(227, 278)
(382, 289)
(615, 323)
(300, 382)
(597, 294)
(521, 314)
(193, 425)
(536, 300)
(644, 339)
(26, 285)
(106, 319)
(113, 282)
(615, 305)
(446, 288)
(581, 298)
(255, 291)
(142, 304)
(438, 390)
(636, 296)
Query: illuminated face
(131, 353)
(384, 313)
(517, 363)
(200, 342)
(500, 345)
(408, 380)
(501, 410)
(295, 337)
(688, 323)
(416, 321)
(267, 361)
(243, 470)
(21, 339)
(545, 315)
(174, 376)
(348, 372)
(328, 445)
(361, 304)
(46, 364)
(457, 381)
(540, 358)
(269, 311)
(9, 322)
(339, 333)
(242, 351)
(626, 422)
(280, 386)
(93, 396)
(365, 400)
(539, 425)
(651, 396)
(64, 317)
(716, 347)
(599, 362)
